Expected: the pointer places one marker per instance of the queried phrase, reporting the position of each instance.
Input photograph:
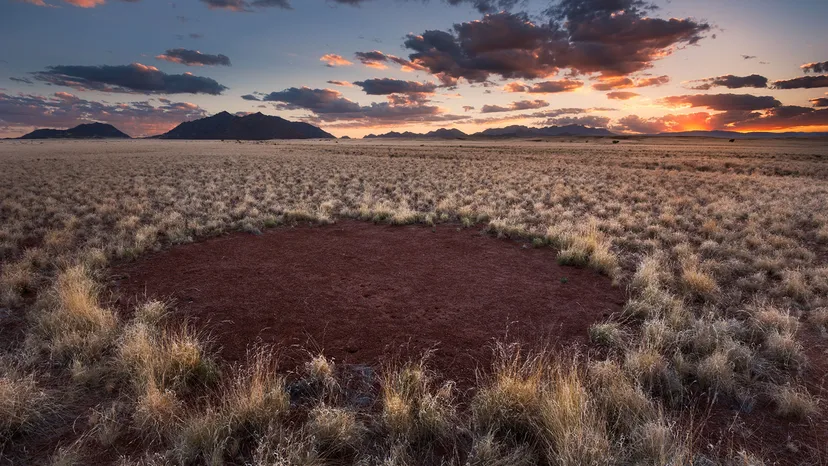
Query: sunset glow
(352, 67)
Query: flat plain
(690, 277)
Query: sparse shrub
(793, 402)
(77, 326)
(487, 450)
(174, 359)
(22, 403)
(413, 406)
(607, 334)
(257, 396)
(698, 283)
(334, 430)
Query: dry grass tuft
(77, 326)
(414, 406)
(175, 359)
(335, 431)
(22, 403)
(793, 402)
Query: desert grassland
(723, 247)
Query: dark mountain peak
(94, 130)
(254, 126)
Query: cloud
(816, 67)
(804, 82)
(245, 6)
(340, 83)
(783, 117)
(545, 87)
(593, 121)
(20, 80)
(193, 58)
(24, 112)
(609, 37)
(622, 95)
(77, 3)
(748, 57)
(666, 123)
(250, 97)
(328, 105)
(85, 3)
(378, 60)
(723, 102)
(134, 78)
(771, 119)
(468, 108)
(483, 6)
(731, 82)
(819, 102)
(332, 60)
(385, 86)
(622, 82)
(514, 106)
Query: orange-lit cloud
(340, 83)
(623, 82)
(622, 95)
(545, 87)
(85, 3)
(331, 60)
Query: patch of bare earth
(361, 292)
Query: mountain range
(84, 131)
(255, 126)
(514, 131)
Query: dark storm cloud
(722, 101)
(819, 102)
(586, 36)
(804, 82)
(134, 78)
(731, 82)
(622, 95)
(545, 87)
(514, 106)
(816, 67)
(385, 86)
(329, 105)
(23, 112)
(193, 58)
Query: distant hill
(442, 133)
(255, 126)
(520, 131)
(514, 131)
(84, 131)
(735, 135)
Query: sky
(354, 67)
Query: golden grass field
(723, 248)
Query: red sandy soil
(779, 440)
(360, 292)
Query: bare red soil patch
(360, 292)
